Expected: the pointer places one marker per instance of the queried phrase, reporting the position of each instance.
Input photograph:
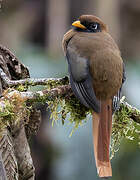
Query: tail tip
(105, 172)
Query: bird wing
(116, 99)
(81, 80)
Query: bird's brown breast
(107, 74)
(105, 62)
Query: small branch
(59, 91)
(31, 81)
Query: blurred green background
(33, 30)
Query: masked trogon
(96, 76)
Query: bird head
(89, 23)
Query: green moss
(63, 107)
(21, 88)
(6, 114)
(70, 108)
(41, 99)
(53, 83)
(14, 110)
(123, 127)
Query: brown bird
(96, 76)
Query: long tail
(102, 127)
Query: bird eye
(94, 26)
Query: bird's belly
(107, 81)
(105, 90)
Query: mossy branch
(125, 121)
(63, 104)
(60, 93)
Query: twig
(60, 90)
(30, 81)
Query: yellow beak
(78, 24)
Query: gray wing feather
(81, 80)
